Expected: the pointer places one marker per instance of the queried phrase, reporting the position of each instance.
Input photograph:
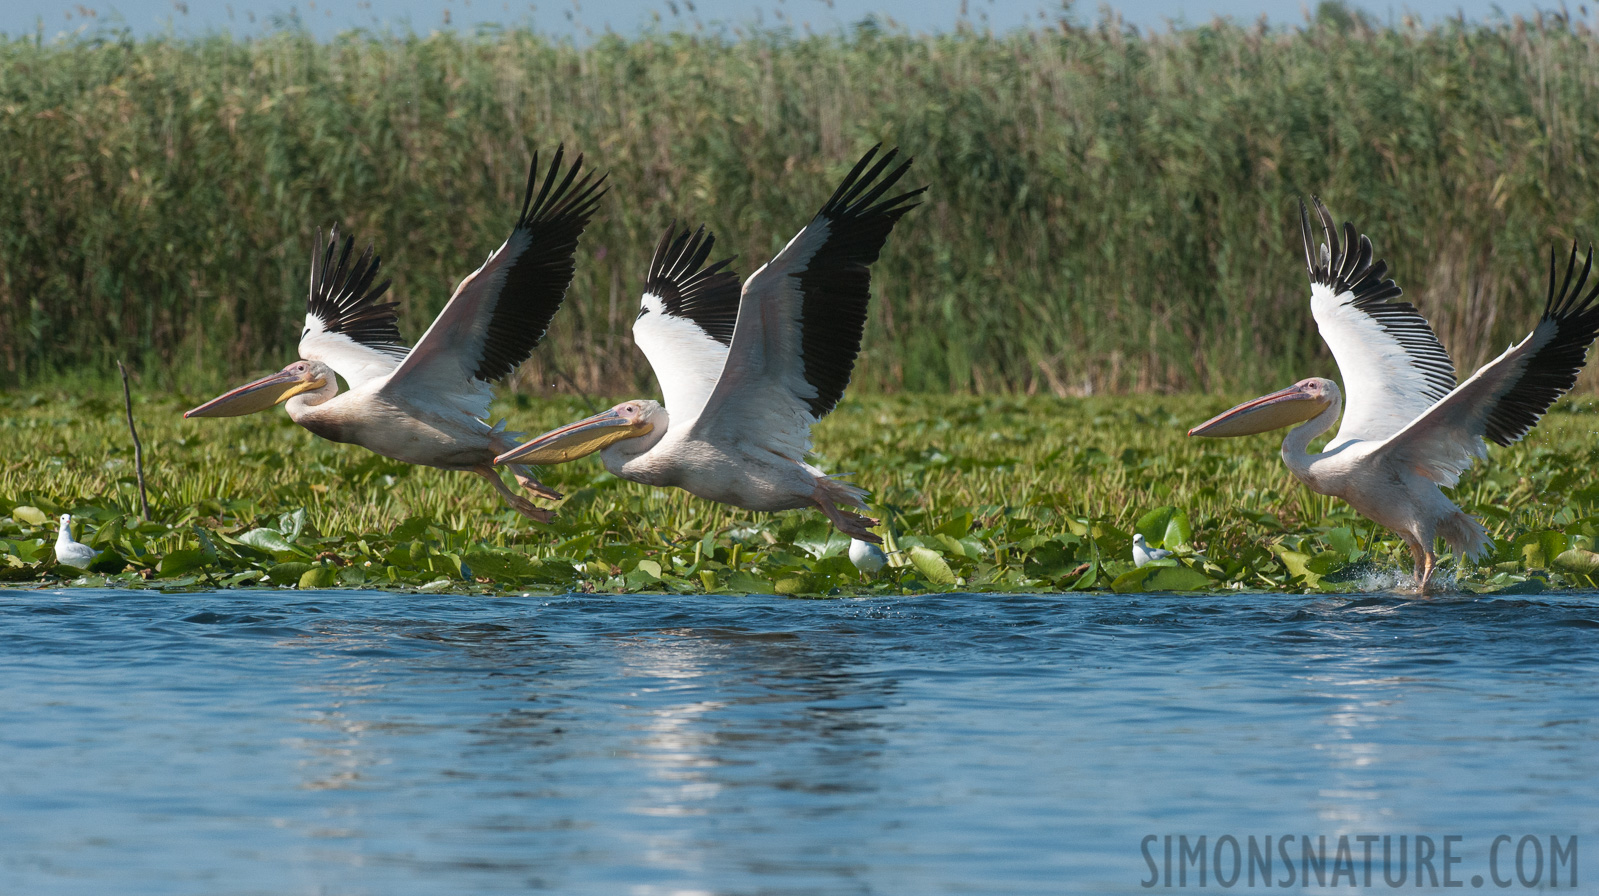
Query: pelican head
(628, 420)
(301, 376)
(1302, 401)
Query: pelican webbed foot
(524, 478)
(847, 522)
(518, 503)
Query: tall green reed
(1108, 211)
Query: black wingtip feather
(343, 298)
(708, 296)
(837, 280)
(1352, 266)
(554, 215)
(1552, 369)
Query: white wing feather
(687, 361)
(762, 393)
(1384, 389)
(355, 362)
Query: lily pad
(929, 563)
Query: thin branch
(138, 449)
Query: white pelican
(745, 376)
(1409, 429)
(69, 552)
(1143, 553)
(428, 405)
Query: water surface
(349, 742)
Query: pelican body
(429, 405)
(746, 373)
(1408, 430)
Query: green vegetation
(1108, 212)
(978, 493)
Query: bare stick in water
(138, 449)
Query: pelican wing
(1393, 365)
(346, 327)
(1506, 398)
(686, 318)
(801, 315)
(501, 310)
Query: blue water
(334, 742)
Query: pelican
(1409, 429)
(745, 375)
(69, 552)
(429, 404)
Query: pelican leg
(847, 522)
(524, 478)
(1418, 558)
(1429, 566)
(518, 503)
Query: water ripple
(280, 742)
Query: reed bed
(1108, 212)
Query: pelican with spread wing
(745, 375)
(429, 404)
(1408, 429)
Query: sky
(580, 20)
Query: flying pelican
(1409, 429)
(745, 376)
(428, 405)
(69, 552)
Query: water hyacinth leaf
(110, 533)
(1178, 531)
(1579, 561)
(1539, 549)
(930, 564)
(1342, 540)
(287, 573)
(1153, 525)
(319, 577)
(792, 585)
(272, 542)
(1530, 586)
(108, 561)
(1180, 578)
(1554, 544)
(742, 581)
(177, 563)
(819, 538)
(1160, 578)
(501, 566)
(958, 526)
(836, 568)
(28, 515)
(290, 524)
(1297, 564)
(1325, 563)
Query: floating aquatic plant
(976, 494)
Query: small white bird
(867, 557)
(69, 552)
(1143, 553)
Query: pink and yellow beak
(1285, 407)
(259, 395)
(576, 440)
